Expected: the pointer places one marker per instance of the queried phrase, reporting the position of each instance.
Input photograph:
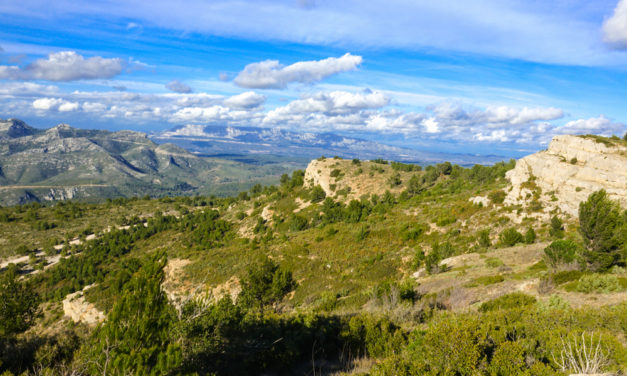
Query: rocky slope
(568, 171)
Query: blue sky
(491, 77)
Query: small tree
(265, 284)
(602, 229)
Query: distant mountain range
(64, 162)
(226, 140)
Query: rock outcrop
(568, 172)
(345, 180)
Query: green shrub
(497, 197)
(335, 173)
(599, 283)
(494, 262)
(561, 253)
(508, 301)
(484, 238)
(562, 277)
(530, 236)
(485, 280)
(298, 223)
(445, 220)
(510, 237)
(317, 194)
(557, 228)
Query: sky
(480, 76)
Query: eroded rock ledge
(567, 172)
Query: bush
(561, 254)
(317, 194)
(484, 238)
(530, 236)
(508, 301)
(485, 280)
(557, 228)
(510, 237)
(599, 283)
(562, 277)
(298, 223)
(497, 197)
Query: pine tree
(135, 337)
(602, 229)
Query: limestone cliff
(568, 171)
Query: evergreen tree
(265, 284)
(135, 337)
(602, 229)
(18, 303)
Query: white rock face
(317, 173)
(79, 310)
(597, 166)
(480, 200)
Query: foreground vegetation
(420, 282)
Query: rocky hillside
(345, 179)
(66, 163)
(568, 171)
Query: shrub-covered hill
(425, 272)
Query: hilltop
(63, 163)
(359, 267)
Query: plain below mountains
(216, 140)
(68, 163)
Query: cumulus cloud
(178, 87)
(615, 27)
(47, 104)
(600, 125)
(270, 74)
(247, 100)
(64, 66)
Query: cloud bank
(270, 74)
(64, 66)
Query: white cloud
(68, 106)
(615, 27)
(46, 103)
(58, 104)
(64, 66)
(364, 111)
(247, 100)
(600, 125)
(504, 114)
(178, 87)
(270, 74)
